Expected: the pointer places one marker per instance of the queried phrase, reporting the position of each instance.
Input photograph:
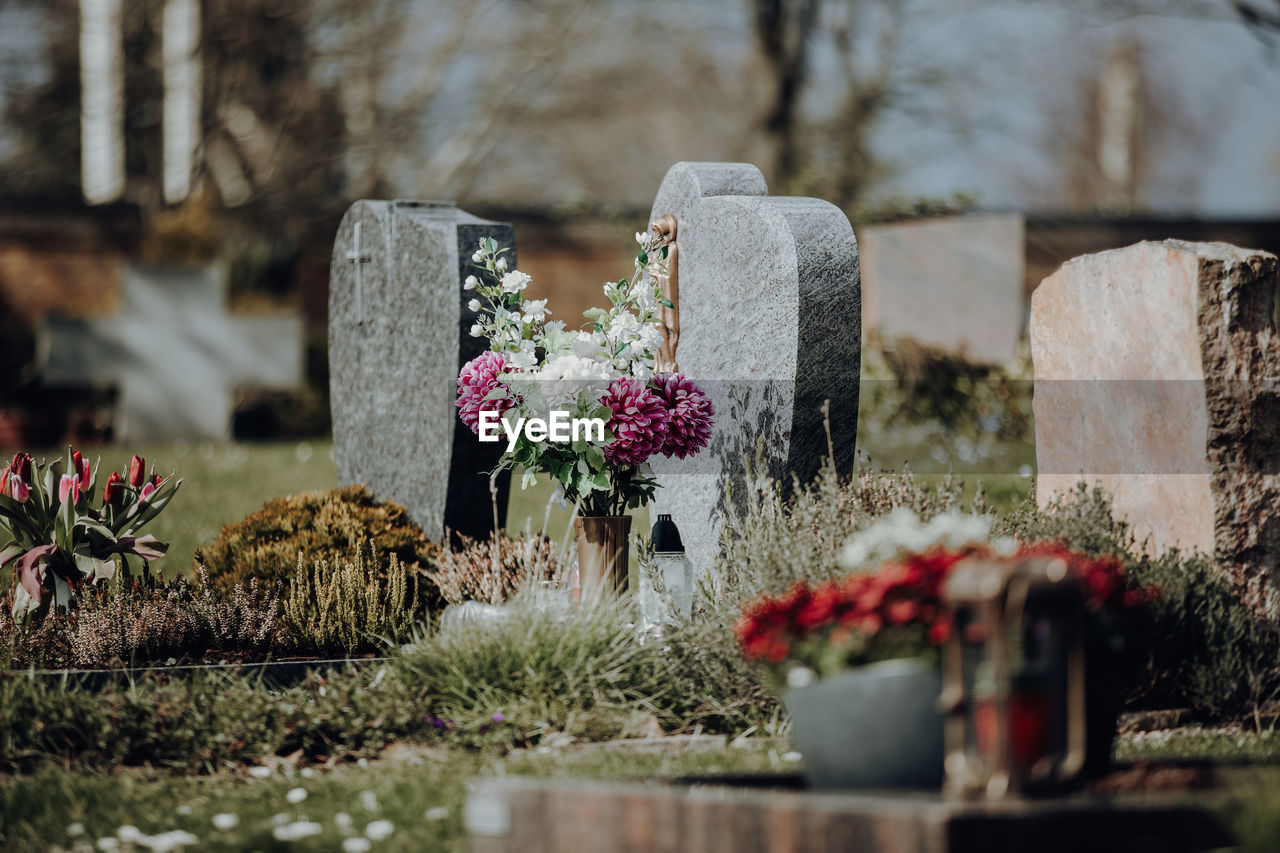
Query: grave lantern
(1013, 678)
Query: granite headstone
(953, 283)
(174, 353)
(1157, 376)
(769, 319)
(398, 335)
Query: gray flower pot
(877, 726)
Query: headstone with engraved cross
(174, 353)
(769, 319)
(398, 335)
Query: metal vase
(603, 558)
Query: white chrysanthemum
(649, 338)
(623, 326)
(589, 345)
(523, 360)
(575, 369)
(901, 532)
(514, 281)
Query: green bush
(1207, 651)
(350, 604)
(321, 526)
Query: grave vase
(602, 553)
(877, 726)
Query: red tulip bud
(81, 466)
(147, 491)
(114, 488)
(21, 466)
(156, 479)
(137, 471)
(19, 490)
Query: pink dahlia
(690, 411)
(639, 422)
(477, 378)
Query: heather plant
(350, 604)
(142, 623)
(492, 571)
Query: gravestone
(1157, 376)
(769, 325)
(398, 335)
(953, 283)
(174, 353)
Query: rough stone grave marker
(174, 352)
(1157, 376)
(769, 324)
(953, 283)
(398, 335)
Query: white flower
(514, 281)
(259, 772)
(649, 338)
(623, 326)
(128, 833)
(477, 331)
(297, 829)
(225, 821)
(799, 676)
(296, 795)
(576, 369)
(108, 843)
(556, 326)
(379, 830)
(901, 532)
(356, 844)
(535, 309)
(473, 305)
(470, 283)
(369, 801)
(588, 345)
(75, 829)
(185, 809)
(523, 360)
(166, 841)
(477, 257)
(343, 820)
(437, 813)
(642, 237)
(501, 264)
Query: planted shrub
(492, 570)
(350, 604)
(143, 623)
(320, 526)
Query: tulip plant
(58, 540)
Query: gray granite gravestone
(174, 353)
(770, 325)
(398, 335)
(953, 283)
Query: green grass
(420, 791)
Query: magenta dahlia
(639, 422)
(476, 379)
(690, 411)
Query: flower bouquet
(538, 375)
(865, 648)
(60, 540)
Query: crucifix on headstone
(356, 257)
(769, 320)
(395, 349)
(175, 354)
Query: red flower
(81, 466)
(114, 488)
(137, 471)
(21, 466)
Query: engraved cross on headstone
(357, 258)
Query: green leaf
(666, 303)
(620, 348)
(595, 313)
(642, 258)
(601, 480)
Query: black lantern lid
(666, 536)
